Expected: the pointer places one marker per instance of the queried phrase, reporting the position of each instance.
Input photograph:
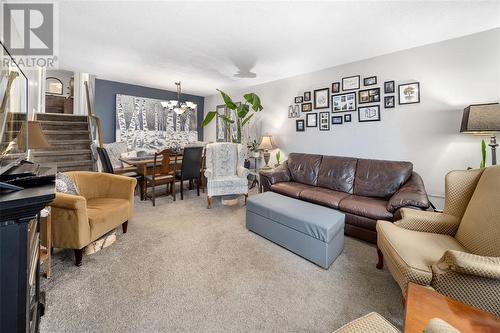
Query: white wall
(452, 74)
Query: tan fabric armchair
(456, 252)
(105, 202)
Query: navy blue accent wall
(105, 103)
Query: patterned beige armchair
(456, 252)
(224, 170)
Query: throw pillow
(64, 184)
(115, 151)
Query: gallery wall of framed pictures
(350, 94)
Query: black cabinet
(21, 302)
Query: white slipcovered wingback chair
(224, 170)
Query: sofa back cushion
(479, 230)
(304, 168)
(337, 173)
(380, 179)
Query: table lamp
(36, 137)
(265, 144)
(483, 119)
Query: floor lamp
(483, 119)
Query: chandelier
(176, 105)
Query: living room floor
(181, 267)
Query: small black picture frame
(404, 97)
(389, 87)
(324, 121)
(347, 118)
(307, 96)
(370, 81)
(369, 96)
(299, 99)
(321, 98)
(312, 120)
(389, 102)
(335, 87)
(345, 102)
(368, 113)
(306, 107)
(351, 82)
(337, 120)
(299, 125)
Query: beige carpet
(184, 268)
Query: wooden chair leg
(78, 257)
(198, 187)
(172, 186)
(124, 227)
(154, 195)
(141, 189)
(209, 202)
(380, 263)
(182, 189)
(190, 184)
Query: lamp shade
(481, 119)
(266, 142)
(36, 138)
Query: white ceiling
(204, 44)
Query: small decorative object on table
(278, 158)
(253, 146)
(265, 144)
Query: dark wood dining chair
(163, 173)
(107, 167)
(190, 168)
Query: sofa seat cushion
(368, 207)
(106, 214)
(323, 196)
(291, 189)
(410, 254)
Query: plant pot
(246, 164)
(256, 154)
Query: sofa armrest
(412, 193)
(69, 201)
(277, 175)
(426, 221)
(242, 172)
(469, 278)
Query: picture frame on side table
(306, 107)
(299, 125)
(324, 121)
(409, 93)
(299, 99)
(347, 118)
(312, 120)
(337, 120)
(350, 82)
(368, 113)
(389, 102)
(370, 81)
(307, 96)
(321, 98)
(344, 102)
(389, 87)
(335, 87)
(369, 96)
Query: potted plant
(242, 113)
(278, 158)
(253, 147)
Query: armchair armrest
(278, 175)
(469, 278)
(208, 173)
(242, 172)
(69, 201)
(425, 221)
(412, 193)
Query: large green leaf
(254, 100)
(227, 100)
(246, 120)
(208, 118)
(226, 119)
(242, 110)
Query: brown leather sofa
(364, 190)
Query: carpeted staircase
(70, 138)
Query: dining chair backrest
(191, 162)
(165, 167)
(105, 160)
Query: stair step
(16, 116)
(61, 117)
(75, 163)
(48, 125)
(75, 168)
(67, 145)
(61, 153)
(66, 135)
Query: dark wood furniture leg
(246, 197)
(209, 202)
(380, 263)
(198, 187)
(182, 189)
(154, 195)
(172, 187)
(124, 227)
(78, 257)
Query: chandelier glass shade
(176, 105)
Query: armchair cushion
(425, 221)
(106, 214)
(227, 185)
(469, 278)
(410, 254)
(412, 193)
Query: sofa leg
(78, 257)
(380, 263)
(209, 202)
(124, 227)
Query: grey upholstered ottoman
(311, 231)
